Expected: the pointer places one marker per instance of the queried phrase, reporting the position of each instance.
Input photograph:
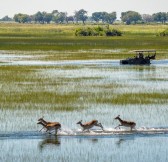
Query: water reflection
(122, 140)
(49, 141)
(93, 140)
(86, 149)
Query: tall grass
(70, 88)
(33, 37)
(33, 87)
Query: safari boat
(142, 57)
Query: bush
(113, 32)
(164, 33)
(81, 32)
(86, 32)
(97, 31)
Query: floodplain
(46, 71)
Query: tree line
(128, 17)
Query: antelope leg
(41, 129)
(99, 125)
(118, 126)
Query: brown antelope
(45, 122)
(90, 124)
(51, 126)
(125, 123)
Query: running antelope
(90, 124)
(51, 126)
(45, 122)
(125, 123)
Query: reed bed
(60, 38)
(68, 92)
(76, 87)
(47, 87)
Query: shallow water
(86, 148)
(21, 141)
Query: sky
(11, 7)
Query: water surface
(95, 86)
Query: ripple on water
(108, 132)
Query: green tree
(47, 17)
(130, 17)
(147, 18)
(81, 15)
(38, 17)
(54, 12)
(110, 17)
(60, 17)
(104, 16)
(6, 18)
(160, 17)
(97, 16)
(21, 18)
(70, 18)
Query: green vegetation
(26, 89)
(130, 17)
(80, 16)
(113, 32)
(97, 31)
(164, 33)
(68, 91)
(134, 98)
(40, 87)
(61, 40)
(36, 87)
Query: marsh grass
(34, 37)
(133, 98)
(72, 87)
(75, 87)
(21, 85)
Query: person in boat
(141, 55)
(147, 57)
(136, 57)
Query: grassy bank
(60, 39)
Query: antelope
(125, 123)
(90, 124)
(45, 122)
(51, 126)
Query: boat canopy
(140, 59)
